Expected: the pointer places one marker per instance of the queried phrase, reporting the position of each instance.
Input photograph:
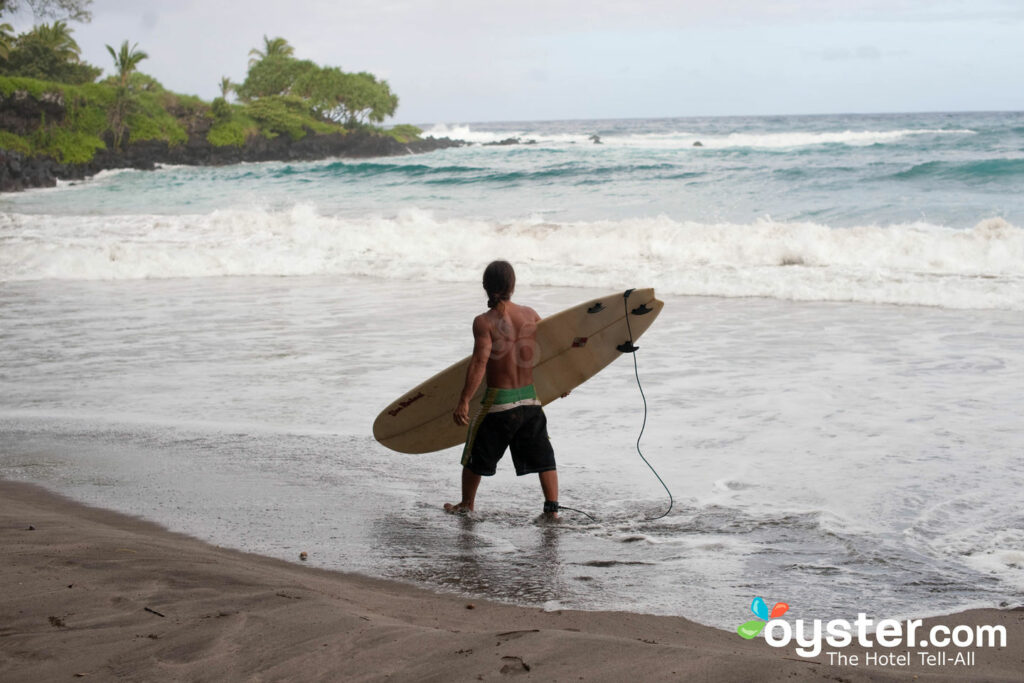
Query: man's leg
(549, 485)
(470, 483)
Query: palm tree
(6, 40)
(271, 47)
(226, 87)
(126, 59)
(56, 37)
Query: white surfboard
(574, 346)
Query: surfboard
(574, 345)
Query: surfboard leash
(566, 507)
(629, 347)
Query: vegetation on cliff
(52, 105)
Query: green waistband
(502, 396)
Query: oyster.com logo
(759, 607)
(907, 641)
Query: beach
(98, 595)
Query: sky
(460, 61)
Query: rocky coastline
(19, 172)
(21, 113)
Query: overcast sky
(461, 61)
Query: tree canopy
(56, 37)
(349, 98)
(273, 75)
(333, 94)
(47, 52)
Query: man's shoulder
(482, 322)
(530, 313)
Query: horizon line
(707, 116)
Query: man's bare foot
(458, 508)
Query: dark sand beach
(97, 595)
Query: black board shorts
(513, 419)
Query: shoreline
(19, 172)
(99, 593)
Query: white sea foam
(1005, 563)
(482, 137)
(778, 140)
(686, 139)
(918, 263)
(463, 132)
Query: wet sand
(98, 595)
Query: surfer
(504, 350)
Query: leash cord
(636, 372)
(564, 507)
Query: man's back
(513, 335)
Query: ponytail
(495, 301)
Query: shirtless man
(504, 350)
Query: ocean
(833, 389)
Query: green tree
(273, 75)
(48, 52)
(372, 100)
(72, 10)
(126, 60)
(57, 38)
(272, 47)
(349, 98)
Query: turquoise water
(913, 209)
(950, 170)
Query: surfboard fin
(642, 309)
(627, 347)
(596, 308)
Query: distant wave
(986, 169)
(981, 267)
(459, 175)
(372, 168)
(686, 139)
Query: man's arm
(476, 370)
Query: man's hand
(461, 413)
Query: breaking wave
(914, 263)
(686, 139)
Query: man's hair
(499, 282)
